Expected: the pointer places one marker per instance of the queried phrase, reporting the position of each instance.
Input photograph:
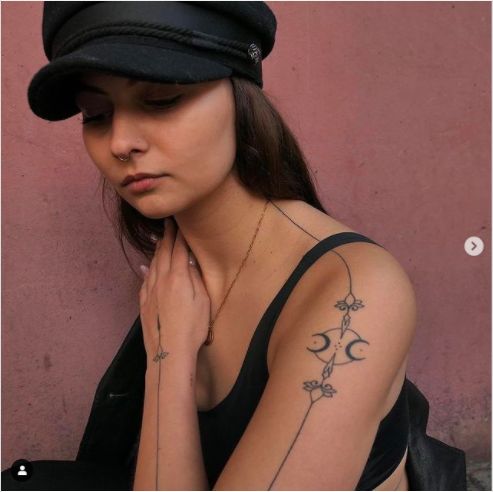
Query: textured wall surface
(390, 102)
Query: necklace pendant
(210, 337)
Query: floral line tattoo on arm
(334, 347)
(161, 355)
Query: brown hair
(269, 162)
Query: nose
(126, 134)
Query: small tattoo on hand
(160, 355)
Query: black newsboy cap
(169, 42)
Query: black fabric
(177, 17)
(112, 432)
(245, 18)
(431, 464)
(168, 42)
(389, 445)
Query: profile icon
(21, 470)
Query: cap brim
(51, 92)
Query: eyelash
(156, 103)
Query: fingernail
(144, 269)
(191, 259)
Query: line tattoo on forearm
(161, 355)
(334, 347)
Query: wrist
(181, 348)
(179, 363)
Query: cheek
(95, 151)
(204, 142)
(91, 147)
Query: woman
(262, 351)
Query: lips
(137, 177)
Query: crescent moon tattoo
(324, 347)
(350, 346)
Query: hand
(174, 293)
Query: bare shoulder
(358, 285)
(363, 260)
(313, 220)
(360, 255)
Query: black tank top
(222, 426)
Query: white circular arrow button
(474, 246)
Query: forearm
(178, 464)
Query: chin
(159, 207)
(159, 214)
(150, 212)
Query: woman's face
(184, 131)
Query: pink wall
(390, 102)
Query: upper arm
(318, 416)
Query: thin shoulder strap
(313, 255)
(262, 334)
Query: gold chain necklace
(210, 334)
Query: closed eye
(95, 118)
(163, 103)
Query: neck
(219, 230)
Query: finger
(193, 278)
(180, 255)
(152, 275)
(197, 281)
(143, 293)
(166, 247)
(143, 289)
